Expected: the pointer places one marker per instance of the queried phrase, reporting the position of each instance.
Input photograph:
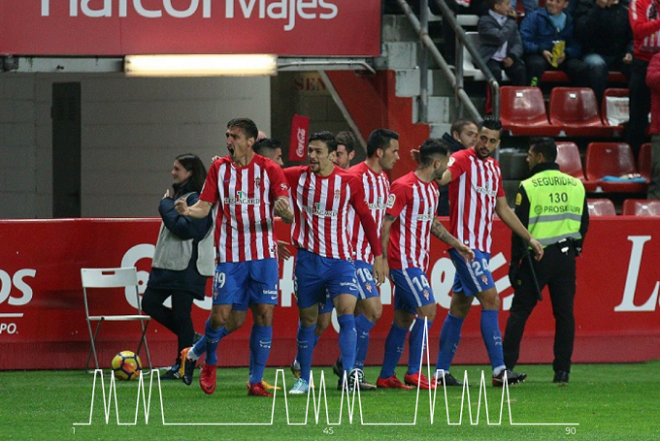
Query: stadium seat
(575, 111)
(618, 102)
(601, 207)
(123, 281)
(559, 76)
(469, 68)
(568, 158)
(613, 159)
(644, 161)
(641, 207)
(522, 112)
(615, 108)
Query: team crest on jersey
(257, 181)
(368, 286)
(337, 193)
(391, 200)
(484, 279)
(426, 294)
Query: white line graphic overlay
(317, 402)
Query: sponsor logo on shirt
(378, 205)
(391, 200)
(316, 210)
(426, 216)
(487, 190)
(242, 199)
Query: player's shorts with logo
(365, 280)
(411, 289)
(473, 277)
(243, 283)
(317, 276)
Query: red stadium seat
(575, 111)
(618, 99)
(611, 159)
(644, 161)
(568, 158)
(559, 76)
(641, 207)
(601, 207)
(555, 76)
(522, 112)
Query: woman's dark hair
(194, 165)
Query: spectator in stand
(603, 28)
(541, 32)
(462, 7)
(528, 5)
(463, 135)
(653, 82)
(500, 44)
(645, 25)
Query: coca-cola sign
(122, 27)
(299, 135)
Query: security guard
(553, 206)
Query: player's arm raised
(511, 220)
(439, 231)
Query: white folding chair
(113, 278)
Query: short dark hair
(380, 139)
(491, 124)
(327, 137)
(545, 146)
(459, 125)
(248, 127)
(491, 3)
(265, 144)
(193, 164)
(429, 148)
(348, 139)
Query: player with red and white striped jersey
(244, 197)
(322, 195)
(246, 191)
(475, 195)
(410, 220)
(382, 154)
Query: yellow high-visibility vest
(556, 201)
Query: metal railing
(455, 80)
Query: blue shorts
(317, 277)
(243, 283)
(327, 306)
(365, 280)
(472, 278)
(411, 289)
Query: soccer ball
(126, 365)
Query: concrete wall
(131, 131)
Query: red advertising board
(126, 27)
(42, 319)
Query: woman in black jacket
(183, 259)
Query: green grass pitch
(609, 402)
